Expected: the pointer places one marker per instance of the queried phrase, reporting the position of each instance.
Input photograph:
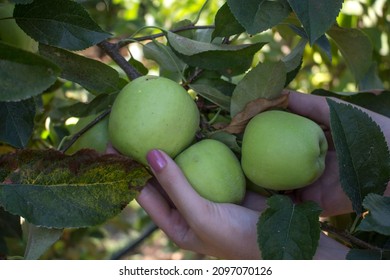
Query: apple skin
(214, 171)
(152, 112)
(11, 33)
(283, 151)
(95, 138)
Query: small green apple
(11, 33)
(152, 113)
(94, 138)
(213, 170)
(283, 151)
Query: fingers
(110, 149)
(327, 191)
(330, 249)
(311, 106)
(153, 202)
(189, 203)
(167, 218)
(254, 201)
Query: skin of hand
(197, 224)
(327, 191)
(222, 230)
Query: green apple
(283, 151)
(152, 112)
(11, 33)
(94, 138)
(213, 170)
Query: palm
(327, 191)
(212, 226)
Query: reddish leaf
(253, 108)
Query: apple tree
(62, 60)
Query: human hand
(222, 230)
(327, 190)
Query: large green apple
(152, 113)
(94, 138)
(213, 170)
(11, 33)
(283, 151)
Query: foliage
(234, 57)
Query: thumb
(175, 184)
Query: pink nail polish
(156, 160)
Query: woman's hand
(327, 191)
(222, 230)
(217, 229)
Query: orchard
(89, 88)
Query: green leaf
(138, 66)
(316, 16)
(287, 230)
(17, 122)
(212, 94)
(371, 79)
(266, 80)
(51, 189)
(228, 139)
(322, 42)
(356, 48)
(378, 218)
(163, 56)
(259, 15)
(91, 74)
(362, 152)
(39, 240)
(232, 59)
(97, 105)
(226, 24)
(294, 58)
(61, 23)
(214, 79)
(245, 12)
(24, 74)
(293, 61)
(379, 103)
(190, 33)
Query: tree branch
(346, 236)
(133, 245)
(124, 43)
(112, 50)
(85, 129)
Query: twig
(133, 245)
(112, 50)
(346, 236)
(124, 43)
(85, 129)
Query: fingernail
(156, 160)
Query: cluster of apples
(280, 150)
